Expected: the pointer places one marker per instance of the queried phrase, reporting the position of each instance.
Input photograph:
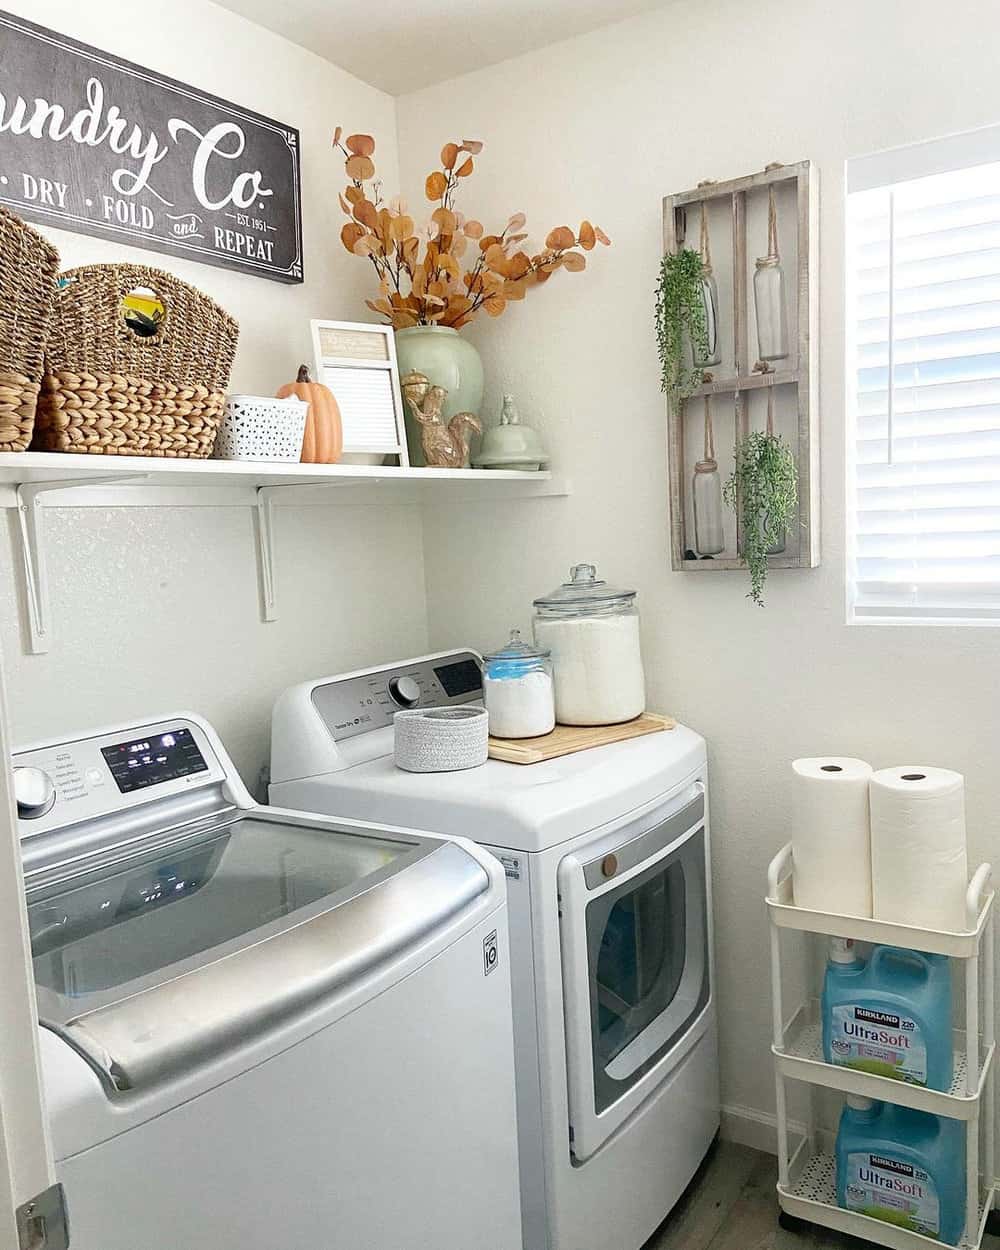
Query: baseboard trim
(758, 1129)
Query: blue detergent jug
(890, 1016)
(902, 1166)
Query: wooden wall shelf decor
(739, 388)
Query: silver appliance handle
(165, 1030)
(614, 861)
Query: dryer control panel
(362, 702)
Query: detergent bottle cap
(842, 951)
(857, 1103)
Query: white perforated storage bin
(257, 427)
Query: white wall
(603, 126)
(156, 608)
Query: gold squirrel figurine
(445, 446)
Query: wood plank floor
(731, 1205)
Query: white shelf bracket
(265, 551)
(31, 526)
(266, 563)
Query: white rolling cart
(806, 1180)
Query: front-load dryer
(606, 854)
(261, 1029)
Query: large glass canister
(592, 631)
(769, 293)
(517, 690)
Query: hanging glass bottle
(709, 535)
(769, 294)
(710, 296)
(778, 547)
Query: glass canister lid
(516, 649)
(584, 590)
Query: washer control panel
(349, 706)
(59, 784)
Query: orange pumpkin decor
(323, 440)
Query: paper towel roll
(919, 863)
(831, 845)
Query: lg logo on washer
(491, 953)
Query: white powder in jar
(597, 667)
(520, 707)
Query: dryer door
(636, 966)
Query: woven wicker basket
(111, 391)
(28, 265)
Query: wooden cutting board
(565, 739)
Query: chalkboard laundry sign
(92, 143)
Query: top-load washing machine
(606, 854)
(261, 1030)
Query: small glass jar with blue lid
(518, 691)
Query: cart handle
(976, 894)
(779, 868)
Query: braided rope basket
(28, 266)
(112, 391)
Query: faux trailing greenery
(763, 492)
(680, 312)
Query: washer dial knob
(35, 792)
(405, 691)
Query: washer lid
(526, 807)
(149, 967)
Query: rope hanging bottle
(704, 245)
(710, 294)
(772, 225)
(709, 530)
(769, 296)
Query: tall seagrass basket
(28, 266)
(112, 389)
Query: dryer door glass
(647, 947)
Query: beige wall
(156, 609)
(603, 126)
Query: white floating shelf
(152, 480)
(801, 1058)
(30, 481)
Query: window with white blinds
(923, 311)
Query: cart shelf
(959, 945)
(812, 1195)
(801, 1059)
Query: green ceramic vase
(448, 360)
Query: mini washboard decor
(114, 389)
(357, 362)
(28, 265)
